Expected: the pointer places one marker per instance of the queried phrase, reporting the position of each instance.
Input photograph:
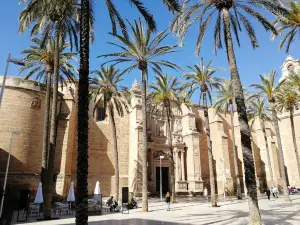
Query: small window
(100, 114)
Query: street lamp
(9, 60)
(7, 166)
(160, 158)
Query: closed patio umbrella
(71, 195)
(97, 191)
(39, 196)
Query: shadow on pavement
(132, 222)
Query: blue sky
(251, 62)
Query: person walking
(268, 192)
(275, 192)
(168, 200)
(205, 194)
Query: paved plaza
(233, 212)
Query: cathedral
(22, 110)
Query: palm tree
(288, 23)
(258, 109)
(141, 50)
(87, 19)
(287, 98)
(202, 78)
(294, 79)
(47, 17)
(268, 89)
(110, 96)
(161, 100)
(230, 16)
(224, 103)
(39, 61)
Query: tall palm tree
(86, 19)
(230, 16)
(257, 109)
(225, 104)
(39, 61)
(268, 89)
(288, 23)
(162, 100)
(141, 51)
(287, 98)
(201, 77)
(47, 17)
(110, 96)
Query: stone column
(182, 166)
(176, 164)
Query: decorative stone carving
(149, 135)
(157, 154)
(36, 103)
(161, 132)
(177, 139)
(178, 126)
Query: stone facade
(23, 110)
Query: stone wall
(22, 110)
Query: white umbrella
(39, 195)
(97, 191)
(71, 195)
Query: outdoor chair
(34, 210)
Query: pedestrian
(168, 200)
(290, 190)
(268, 192)
(275, 192)
(205, 194)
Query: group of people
(113, 204)
(292, 190)
(273, 190)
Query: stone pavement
(233, 212)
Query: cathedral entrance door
(165, 179)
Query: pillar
(182, 166)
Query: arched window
(100, 115)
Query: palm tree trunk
(262, 125)
(145, 149)
(210, 156)
(117, 173)
(236, 168)
(280, 151)
(250, 180)
(295, 141)
(53, 132)
(46, 132)
(83, 117)
(172, 174)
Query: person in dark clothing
(168, 200)
(268, 192)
